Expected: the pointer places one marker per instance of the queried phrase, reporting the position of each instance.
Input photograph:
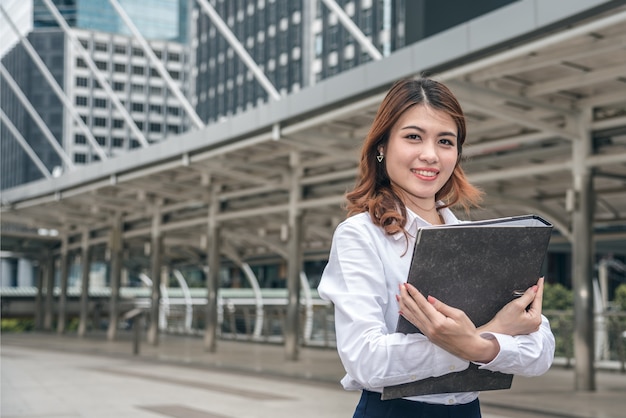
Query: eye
(413, 136)
(446, 141)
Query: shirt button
(413, 377)
(452, 367)
(450, 401)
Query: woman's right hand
(521, 316)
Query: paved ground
(45, 375)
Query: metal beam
(104, 83)
(354, 30)
(33, 113)
(55, 86)
(27, 148)
(174, 88)
(239, 49)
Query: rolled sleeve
(525, 355)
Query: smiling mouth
(425, 173)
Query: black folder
(478, 267)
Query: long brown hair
(372, 192)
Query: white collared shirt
(362, 278)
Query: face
(421, 154)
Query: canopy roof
(529, 97)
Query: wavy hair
(373, 192)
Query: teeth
(425, 173)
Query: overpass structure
(543, 85)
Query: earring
(380, 157)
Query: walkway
(44, 375)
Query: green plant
(620, 296)
(17, 324)
(557, 297)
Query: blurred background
(179, 166)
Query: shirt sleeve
(524, 355)
(366, 312)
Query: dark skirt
(371, 406)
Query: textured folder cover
(476, 267)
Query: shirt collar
(414, 221)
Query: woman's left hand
(449, 328)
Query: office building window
(101, 103)
(80, 158)
(82, 82)
(101, 65)
(119, 86)
(120, 49)
(137, 52)
(100, 140)
(136, 107)
(137, 88)
(117, 142)
(80, 101)
(101, 46)
(155, 127)
(102, 122)
(80, 63)
(118, 123)
(173, 56)
(119, 68)
(137, 70)
(80, 139)
(155, 108)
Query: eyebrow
(417, 128)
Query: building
(298, 43)
(121, 61)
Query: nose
(429, 152)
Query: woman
(409, 177)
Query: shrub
(557, 297)
(620, 296)
(17, 324)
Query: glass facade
(155, 19)
(297, 43)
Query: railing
(610, 337)
(238, 311)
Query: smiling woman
(410, 175)
(420, 156)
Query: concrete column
(294, 262)
(115, 274)
(39, 296)
(49, 284)
(212, 281)
(62, 308)
(581, 205)
(85, 264)
(155, 273)
(24, 273)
